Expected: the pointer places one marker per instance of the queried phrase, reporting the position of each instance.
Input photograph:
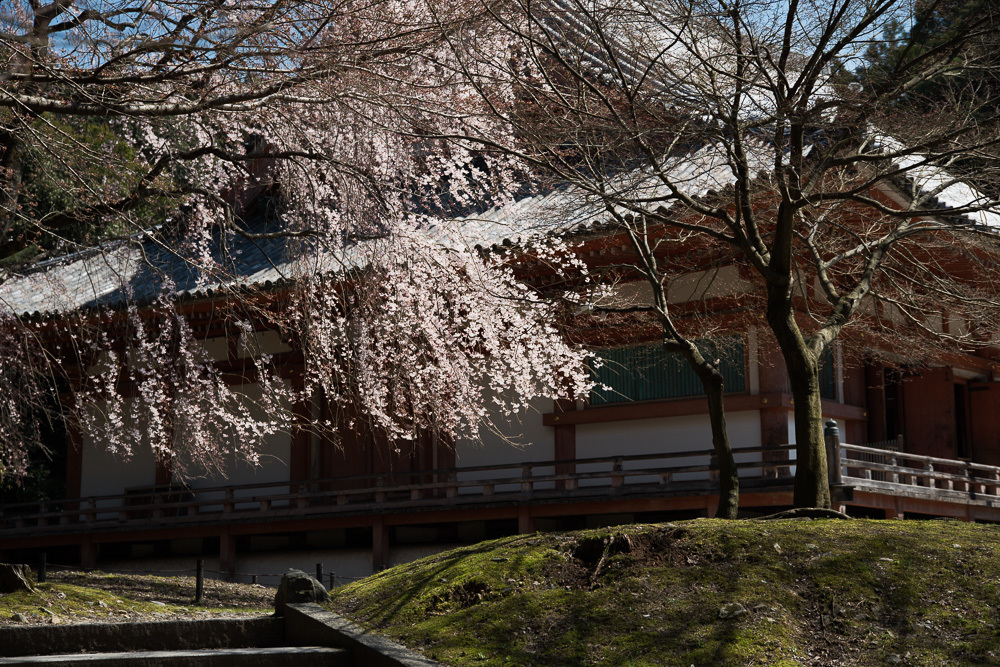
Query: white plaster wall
(104, 473)
(273, 465)
(524, 438)
(668, 434)
(841, 424)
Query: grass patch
(704, 592)
(74, 597)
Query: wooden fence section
(687, 473)
(677, 473)
(913, 475)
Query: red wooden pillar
(89, 551)
(525, 522)
(564, 442)
(227, 555)
(875, 397)
(773, 381)
(380, 544)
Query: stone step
(294, 656)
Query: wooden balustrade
(930, 475)
(689, 472)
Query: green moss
(61, 602)
(865, 592)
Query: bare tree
(734, 123)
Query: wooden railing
(689, 472)
(926, 475)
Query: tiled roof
(143, 268)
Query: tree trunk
(10, 180)
(729, 480)
(812, 487)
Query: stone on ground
(297, 586)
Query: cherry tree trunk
(812, 487)
(729, 480)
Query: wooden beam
(692, 406)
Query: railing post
(893, 476)
(526, 483)
(230, 502)
(617, 478)
(929, 469)
(831, 433)
(380, 489)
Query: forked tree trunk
(812, 487)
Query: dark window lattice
(648, 372)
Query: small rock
(732, 610)
(895, 659)
(159, 604)
(48, 611)
(297, 586)
(19, 617)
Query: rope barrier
(333, 578)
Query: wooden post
(333, 580)
(617, 478)
(227, 555)
(319, 572)
(831, 433)
(199, 583)
(525, 523)
(42, 567)
(526, 484)
(88, 554)
(380, 544)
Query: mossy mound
(705, 592)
